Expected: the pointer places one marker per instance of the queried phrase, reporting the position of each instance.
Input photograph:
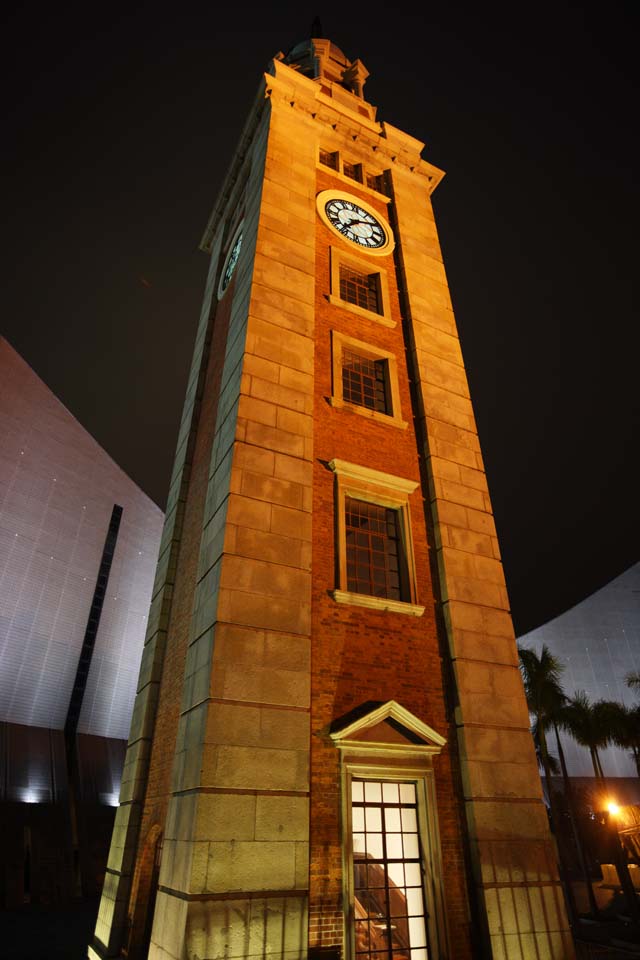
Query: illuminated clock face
(230, 262)
(355, 223)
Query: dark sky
(119, 127)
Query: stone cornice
(390, 145)
(233, 178)
(400, 149)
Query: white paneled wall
(57, 491)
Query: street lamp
(620, 860)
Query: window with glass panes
(374, 550)
(389, 905)
(364, 381)
(352, 170)
(360, 288)
(375, 182)
(329, 159)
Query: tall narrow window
(389, 904)
(329, 159)
(374, 550)
(376, 182)
(364, 381)
(375, 563)
(360, 288)
(352, 170)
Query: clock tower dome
(330, 751)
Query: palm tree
(545, 697)
(558, 722)
(632, 737)
(622, 724)
(632, 680)
(581, 719)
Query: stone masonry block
(270, 547)
(273, 489)
(248, 725)
(469, 645)
(229, 817)
(295, 282)
(441, 430)
(259, 684)
(255, 768)
(457, 493)
(295, 379)
(282, 818)
(442, 373)
(499, 780)
(249, 512)
(283, 441)
(258, 410)
(293, 469)
(269, 612)
(471, 542)
(250, 866)
(481, 684)
(294, 400)
(265, 579)
(249, 929)
(504, 820)
(472, 590)
(485, 744)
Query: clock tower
(330, 749)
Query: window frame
(365, 170)
(398, 762)
(339, 256)
(385, 490)
(340, 342)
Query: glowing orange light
(613, 808)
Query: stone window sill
(377, 603)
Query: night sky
(119, 128)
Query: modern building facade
(330, 748)
(74, 597)
(598, 644)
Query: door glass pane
(372, 792)
(409, 820)
(411, 848)
(389, 907)
(407, 793)
(390, 792)
(373, 819)
(417, 931)
(415, 904)
(392, 820)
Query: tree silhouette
(545, 697)
(587, 724)
(632, 680)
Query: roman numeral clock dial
(231, 260)
(355, 221)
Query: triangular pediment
(385, 725)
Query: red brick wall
(360, 654)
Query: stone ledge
(377, 603)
